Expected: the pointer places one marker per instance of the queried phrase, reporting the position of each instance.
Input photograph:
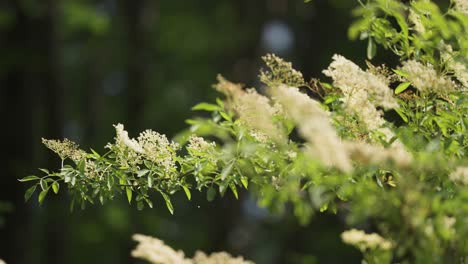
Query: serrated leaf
(206, 107)
(29, 178)
(42, 195)
(29, 192)
(402, 87)
(168, 203)
(55, 187)
(211, 194)
(187, 192)
(129, 192)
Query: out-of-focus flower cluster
(363, 241)
(155, 251)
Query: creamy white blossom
(363, 241)
(416, 20)
(349, 78)
(156, 252)
(425, 77)
(157, 148)
(122, 138)
(314, 125)
(2, 262)
(460, 175)
(362, 91)
(365, 153)
(218, 258)
(461, 5)
(253, 109)
(66, 149)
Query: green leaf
(43, 184)
(402, 115)
(29, 178)
(225, 116)
(187, 192)
(371, 49)
(44, 170)
(206, 107)
(141, 173)
(29, 192)
(55, 187)
(401, 87)
(168, 202)
(401, 73)
(150, 180)
(129, 192)
(234, 190)
(211, 194)
(245, 182)
(324, 207)
(227, 170)
(42, 195)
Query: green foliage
(405, 176)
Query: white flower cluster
(2, 262)
(462, 6)
(416, 20)
(363, 241)
(66, 149)
(150, 145)
(460, 175)
(253, 109)
(122, 138)
(362, 91)
(425, 77)
(218, 258)
(157, 148)
(281, 72)
(372, 154)
(199, 144)
(314, 125)
(155, 251)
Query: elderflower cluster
(460, 175)
(281, 72)
(65, 149)
(198, 146)
(349, 78)
(362, 90)
(461, 6)
(122, 138)
(218, 258)
(155, 251)
(314, 125)
(373, 154)
(157, 148)
(425, 77)
(254, 110)
(363, 241)
(416, 20)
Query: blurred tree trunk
(137, 62)
(15, 100)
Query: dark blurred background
(74, 68)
